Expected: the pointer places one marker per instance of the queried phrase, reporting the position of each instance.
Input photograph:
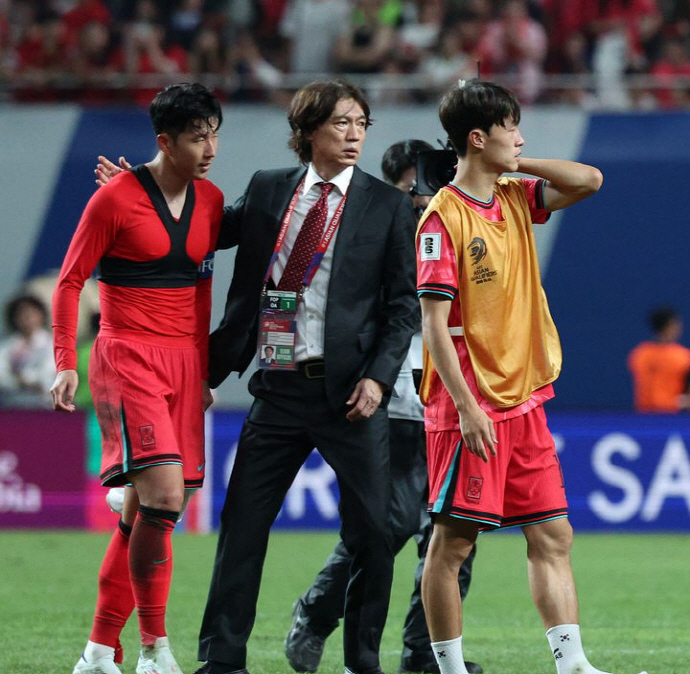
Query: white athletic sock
(566, 647)
(448, 655)
(94, 651)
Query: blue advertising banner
(625, 471)
(622, 472)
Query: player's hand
(478, 432)
(63, 390)
(206, 395)
(106, 170)
(365, 399)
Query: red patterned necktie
(307, 241)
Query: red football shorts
(149, 407)
(522, 484)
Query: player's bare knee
(165, 498)
(550, 540)
(450, 545)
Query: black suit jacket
(372, 306)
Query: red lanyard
(323, 246)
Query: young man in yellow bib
(492, 354)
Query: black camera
(435, 169)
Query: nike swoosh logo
(161, 561)
(200, 467)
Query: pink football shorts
(149, 407)
(522, 484)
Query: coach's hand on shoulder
(478, 431)
(63, 390)
(105, 169)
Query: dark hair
(475, 105)
(660, 318)
(14, 306)
(401, 157)
(312, 105)
(177, 106)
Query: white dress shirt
(311, 313)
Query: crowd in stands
(598, 53)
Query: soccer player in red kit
(150, 233)
(492, 355)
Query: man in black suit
(317, 612)
(354, 320)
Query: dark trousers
(290, 416)
(323, 602)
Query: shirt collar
(341, 181)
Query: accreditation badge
(277, 330)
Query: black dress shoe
(473, 667)
(431, 667)
(211, 667)
(303, 648)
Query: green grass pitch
(634, 603)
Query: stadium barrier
(623, 472)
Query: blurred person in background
(660, 367)
(317, 613)
(185, 21)
(515, 44)
(250, 77)
(6, 50)
(26, 364)
(91, 62)
(311, 28)
(573, 59)
(671, 71)
(419, 32)
(455, 56)
(207, 54)
(622, 32)
(40, 57)
(366, 44)
(82, 13)
(145, 54)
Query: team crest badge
(474, 488)
(147, 436)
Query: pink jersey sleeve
(94, 235)
(534, 191)
(437, 269)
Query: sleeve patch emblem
(430, 247)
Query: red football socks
(115, 599)
(150, 569)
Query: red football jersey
(150, 289)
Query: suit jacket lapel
(283, 190)
(358, 198)
(277, 200)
